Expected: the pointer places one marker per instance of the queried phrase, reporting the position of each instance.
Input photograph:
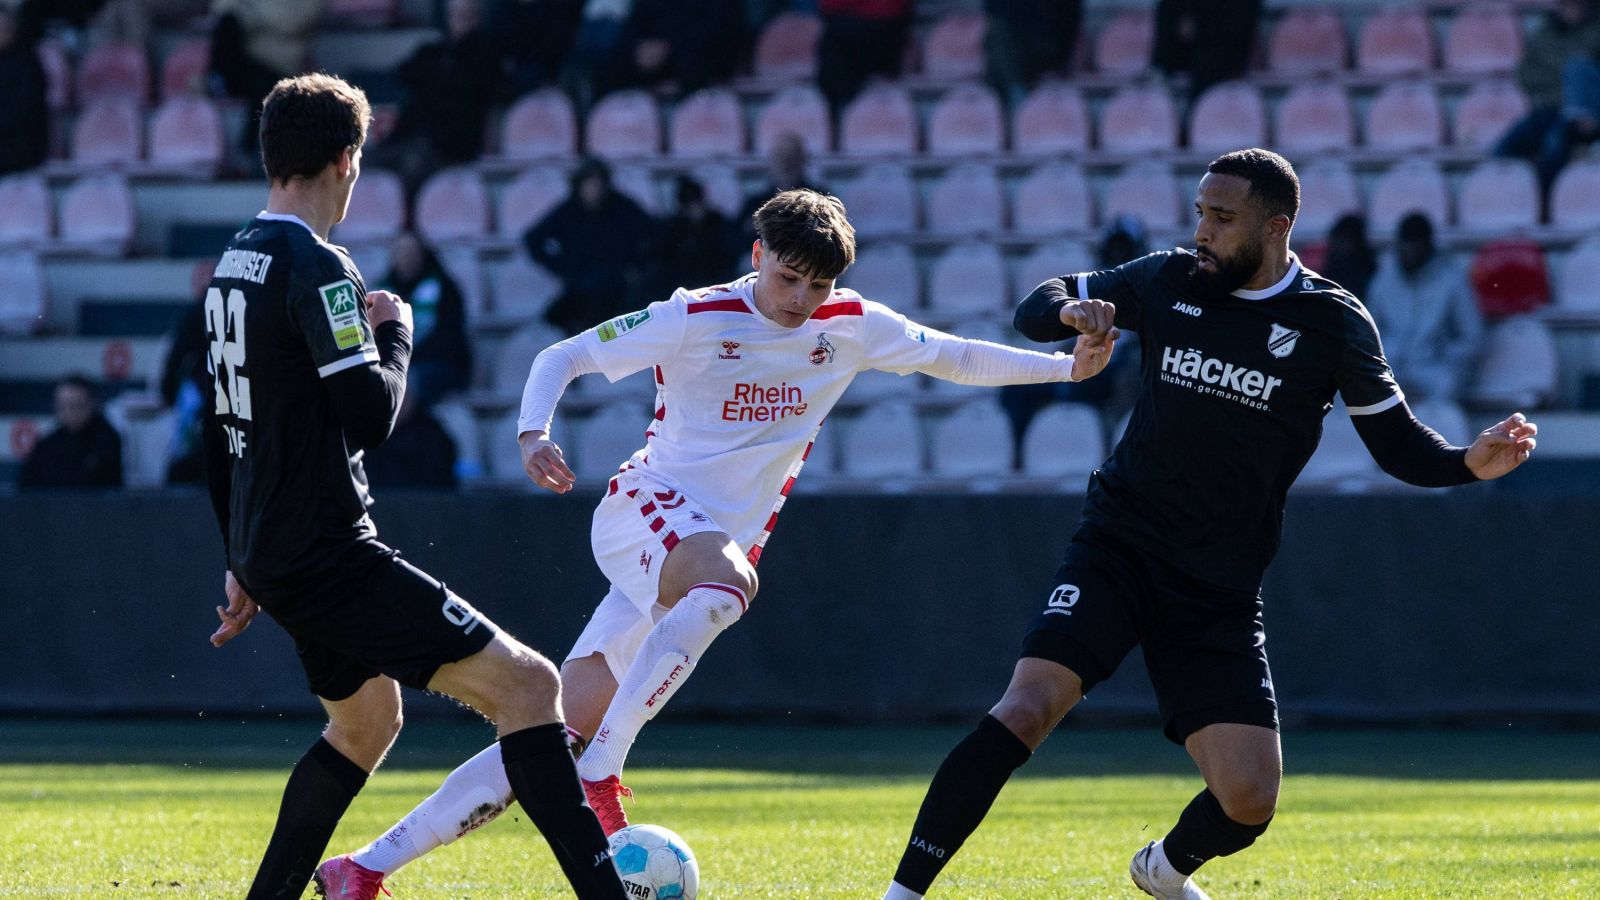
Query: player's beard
(1230, 273)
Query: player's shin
(319, 791)
(470, 797)
(539, 766)
(1204, 831)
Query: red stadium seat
(796, 110)
(968, 200)
(540, 125)
(1500, 195)
(108, 133)
(1415, 185)
(1483, 39)
(1577, 290)
(1510, 278)
(57, 65)
(1327, 191)
(114, 71)
(1405, 116)
(377, 209)
(787, 48)
(968, 278)
(452, 205)
(1139, 120)
(882, 121)
(1487, 112)
(624, 125)
(186, 68)
(1308, 42)
(882, 200)
(1148, 191)
(1228, 117)
(186, 136)
(22, 292)
(1123, 46)
(1575, 196)
(1315, 117)
(27, 218)
(954, 46)
(1053, 199)
(1053, 119)
(708, 123)
(1052, 260)
(97, 216)
(887, 273)
(967, 121)
(528, 198)
(1395, 41)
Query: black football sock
(1204, 832)
(320, 789)
(962, 792)
(545, 780)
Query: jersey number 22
(225, 327)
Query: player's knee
(1250, 799)
(534, 683)
(1032, 711)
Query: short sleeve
(638, 340)
(1365, 381)
(893, 343)
(327, 302)
(1124, 287)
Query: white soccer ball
(655, 864)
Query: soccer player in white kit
(745, 374)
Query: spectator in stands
(441, 356)
(1561, 77)
(594, 50)
(450, 86)
(588, 241)
(35, 17)
(1206, 41)
(83, 451)
(860, 39)
(1427, 313)
(1350, 261)
(675, 47)
(254, 43)
(532, 38)
(1028, 39)
(24, 115)
(788, 168)
(696, 246)
(186, 382)
(418, 454)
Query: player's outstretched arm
(1502, 447)
(1416, 454)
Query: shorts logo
(644, 560)
(1282, 340)
(621, 325)
(344, 314)
(823, 352)
(1062, 600)
(459, 612)
(730, 350)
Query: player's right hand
(541, 459)
(238, 613)
(383, 306)
(1091, 317)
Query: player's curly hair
(307, 121)
(1273, 183)
(808, 231)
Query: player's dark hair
(307, 121)
(808, 231)
(1273, 184)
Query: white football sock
(471, 796)
(665, 659)
(1161, 869)
(899, 892)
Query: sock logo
(666, 685)
(918, 843)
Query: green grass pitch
(125, 809)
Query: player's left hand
(1091, 353)
(1502, 447)
(236, 617)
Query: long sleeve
(553, 369)
(366, 398)
(1409, 450)
(984, 364)
(1038, 316)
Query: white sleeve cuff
(369, 355)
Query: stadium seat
(1413, 185)
(27, 216)
(457, 420)
(886, 273)
(974, 441)
(1055, 198)
(605, 441)
(1483, 39)
(377, 209)
(186, 68)
(515, 357)
(1577, 290)
(97, 216)
(639, 387)
(528, 198)
(954, 46)
(146, 436)
(1139, 120)
(724, 192)
(969, 278)
(787, 48)
(884, 442)
(798, 110)
(881, 121)
(1226, 117)
(1064, 441)
(874, 385)
(1499, 195)
(522, 288)
(461, 263)
(57, 65)
(1405, 116)
(503, 457)
(186, 137)
(1486, 113)
(22, 292)
(109, 133)
(1518, 368)
(967, 121)
(1306, 42)
(1315, 117)
(1510, 277)
(882, 200)
(1327, 191)
(114, 71)
(967, 200)
(1395, 41)
(1147, 190)
(1341, 460)
(1052, 119)
(1123, 46)
(540, 125)
(1575, 196)
(624, 125)
(1052, 260)
(708, 123)
(640, 185)
(452, 205)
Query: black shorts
(1204, 646)
(375, 614)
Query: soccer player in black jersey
(309, 370)
(1244, 350)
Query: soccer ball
(655, 864)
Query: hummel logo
(730, 350)
(1188, 309)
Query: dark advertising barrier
(1387, 607)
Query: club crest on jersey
(1282, 340)
(823, 352)
(621, 325)
(344, 316)
(730, 350)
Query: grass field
(170, 809)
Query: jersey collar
(284, 217)
(1282, 285)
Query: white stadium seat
(1065, 441)
(605, 441)
(972, 442)
(884, 442)
(1519, 368)
(1341, 459)
(887, 273)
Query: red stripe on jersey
(735, 304)
(661, 413)
(754, 555)
(670, 541)
(744, 604)
(772, 522)
(656, 525)
(829, 310)
(647, 509)
(659, 378)
(788, 485)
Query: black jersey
(1232, 396)
(284, 311)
